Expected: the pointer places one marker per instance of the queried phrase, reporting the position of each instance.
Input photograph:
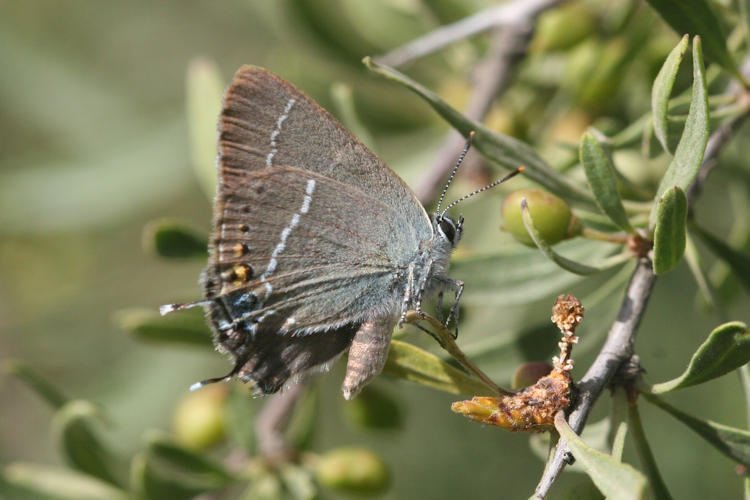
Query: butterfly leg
(458, 288)
(367, 354)
(421, 286)
(407, 295)
(439, 311)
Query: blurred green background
(95, 144)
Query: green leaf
(506, 151)
(204, 88)
(617, 481)
(166, 470)
(692, 146)
(601, 177)
(619, 423)
(726, 349)
(523, 275)
(662, 89)
(199, 467)
(173, 239)
(669, 234)
(697, 18)
(647, 457)
(81, 447)
(732, 442)
(51, 394)
(23, 481)
(565, 263)
(411, 363)
(744, 8)
(705, 288)
(186, 326)
(737, 261)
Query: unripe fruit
(552, 216)
(198, 421)
(352, 470)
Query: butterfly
(317, 246)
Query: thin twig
(619, 345)
(492, 77)
(510, 14)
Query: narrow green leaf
(647, 457)
(173, 239)
(204, 88)
(732, 442)
(565, 263)
(506, 151)
(619, 425)
(669, 234)
(697, 18)
(81, 447)
(198, 467)
(184, 327)
(617, 481)
(705, 287)
(41, 482)
(692, 146)
(595, 434)
(662, 89)
(601, 177)
(166, 470)
(737, 261)
(744, 6)
(522, 275)
(148, 482)
(411, 363)
(51, 394)
(726, 349)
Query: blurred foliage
(108, 127)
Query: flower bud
(352, 470)
(198, 421)
(552, 216)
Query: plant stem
(593, 234)
(645, 454)
(507, 14)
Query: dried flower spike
(533, 409)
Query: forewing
(266, 122)
(300, 252)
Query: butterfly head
(447, 229)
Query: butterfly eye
(448, 228)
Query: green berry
(352, 470)
(552, 216)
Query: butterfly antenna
(481, 190)
(455, 169)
